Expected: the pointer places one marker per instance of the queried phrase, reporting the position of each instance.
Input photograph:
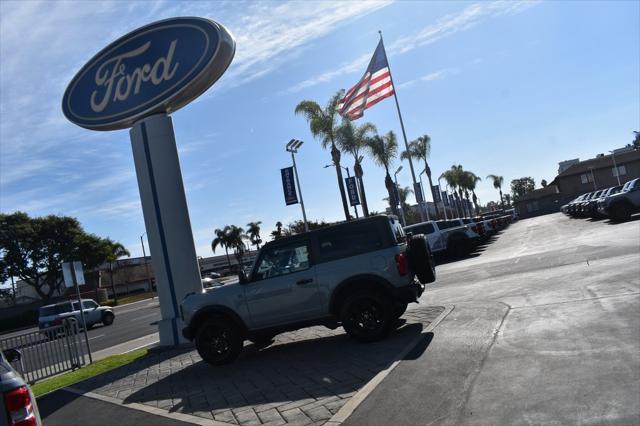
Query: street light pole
(424, 200)
(395, 177)
(443, 206)
(292, 147)
(146, 264)
(615, 166)
(593, 178)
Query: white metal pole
(295, 171)
(404, 134)
(424, 200)
(615, 166)
(404, 220)
(444, 207)
(84, 322)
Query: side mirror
(242, 277)
(12, 355)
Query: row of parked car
(617, 203)
(457, 237)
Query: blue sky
(502, 88)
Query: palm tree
(455, 180)
(116, 251)
(222, 240)
(497, 184)
(420, 149)
(277, 233)
(471, 180)
(352, 139)
(403, 194)
(235, 241)
(253, 231)
(322, 123)
(384, 149)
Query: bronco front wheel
(366, 317)
(218, 341)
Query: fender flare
(353, 281)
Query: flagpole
(404, 134)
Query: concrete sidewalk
(306, 377)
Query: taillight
(20, 407)
(401, 263)
(56, 321)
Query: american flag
(374, 86)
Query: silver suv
(51, 315)
(359, 274)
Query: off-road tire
(399, 308)
(107, 319)
(366, 316)
(420, 259)
(218, 341)
(620, 212)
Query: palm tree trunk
(433, 195)
(501, 200)
(228, 259)
(357, 169)
(475, 203)
(335, 155)
(388, 182)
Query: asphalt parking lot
(543, 328)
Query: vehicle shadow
(633, 218)
(331, 366)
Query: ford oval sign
(157, 68)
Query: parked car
(18, 406)
(592, 205)
(51, 315)
(444, 235)
(620, 206)
(359, 274)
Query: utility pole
(395, 176)
(293, 147)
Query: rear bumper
(410, 293)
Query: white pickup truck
(444, 235)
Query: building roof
(600, 162)
(536, 194)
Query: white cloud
(447, 25)
(437, 75)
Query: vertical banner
(418, 191)
(352, 189)
(436, 192)
(445, 198)
(289, 186)
(396, 195)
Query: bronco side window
(283, 260)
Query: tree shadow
(326, 366)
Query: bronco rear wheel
(218, 341)
(366, 317)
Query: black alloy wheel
(366, 317)
(108, 318)
(218, 341)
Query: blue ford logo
(157, 68)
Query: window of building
(586, 178)
(622, 170)
(533, 206)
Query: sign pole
(295, 171)
(84, 322)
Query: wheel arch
(354, 283)
(212, 311)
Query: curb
(148, 409)
(353, 403)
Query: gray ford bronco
(359, 274)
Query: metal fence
(48, 351)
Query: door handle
(303, 282)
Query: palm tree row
(461, 182)
(233, 237)
(356, 140)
